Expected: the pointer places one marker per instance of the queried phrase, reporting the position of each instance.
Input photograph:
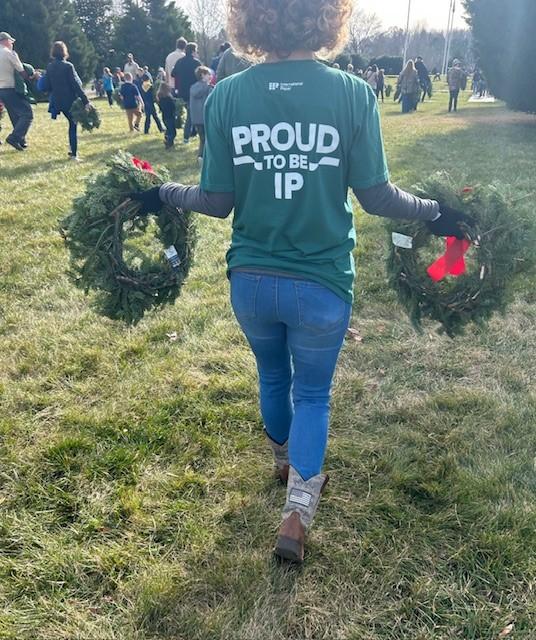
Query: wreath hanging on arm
(96, 231)
(475, 277)
(89, 118)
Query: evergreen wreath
(498, 250)
(95, 232)
(88, 119)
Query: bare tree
(363, 27)
(208, 20)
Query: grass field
(136, 496)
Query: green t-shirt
(289, 138)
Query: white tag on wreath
(402, 241)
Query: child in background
(168, 110)
(132, 102)
(198, 96)
(146, 89)
(108, 85)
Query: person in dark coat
(184, 71)
(424, 78)
(166, 103)
(144, 82)
(64, 83)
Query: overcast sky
(432, 12)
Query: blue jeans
(296, 329)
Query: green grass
(136, 497)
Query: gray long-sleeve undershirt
(385, 200)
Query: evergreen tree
(506, 48)
(149, 30)
(64, 25)
(36, 24)
(26, 21)
(95, 18)
(166, 24)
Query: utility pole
(406, 44)
(448, 36)
(451, 33)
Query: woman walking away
(199, 93)
(285, 160)
(409, 87)
(372, 77)
(169, 115)
(64, 83)
(108, 85)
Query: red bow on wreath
(452, 262)
(142, 164)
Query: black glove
(149, 200)
(448, 224)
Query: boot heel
(289, 549)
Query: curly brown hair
(284, 26)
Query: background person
(132, 102)
(108, 85)
(65, 85)
(146, 90)
(167, 106)
(456, 79)
(290, 261)
(424, 77)
(131, 66)
(216, 59)
(231, 62)
(372, 77)
(409, 87)
(18, 108)
(184, 74)
(172, 59)
(380, 86)
(199, 93)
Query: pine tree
(64, 25)
(506, 47)
(149, 30)
(95, 18)
(36, 24)
(26, 21)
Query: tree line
(96, 34)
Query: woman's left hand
(149, 200)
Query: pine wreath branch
(500, 246)
(95, 233)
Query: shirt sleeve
(218, 169)
(389, 201)
(368, 165)
(216, 205)
(15, 61)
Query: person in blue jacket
(108, 85)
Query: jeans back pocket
(244, 288)
(320, 310)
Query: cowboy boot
(298, 513)
(280, 452)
